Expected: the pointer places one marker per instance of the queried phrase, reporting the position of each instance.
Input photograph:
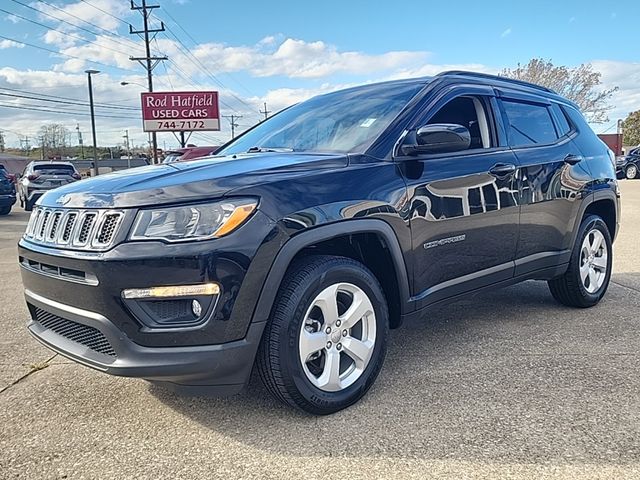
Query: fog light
(177, 291)
(196, 308)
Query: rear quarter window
(529, 124)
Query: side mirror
(438, 138)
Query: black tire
(5, 210)
(28, 205)
(278, 360)
(629, 172)
(568, 288)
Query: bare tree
(54, 138)
(578, 84)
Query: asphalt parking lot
(504, 385)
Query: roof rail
(495, 77)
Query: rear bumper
(213, 369)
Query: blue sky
(284, 51)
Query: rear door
(551, 178)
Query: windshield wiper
(269, 149)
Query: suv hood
(201, 179)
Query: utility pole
(148, 62)
(93, 121)
(1, 142)
(27, 145)
(42, 148)
(265, 112)
(233, 119)
(126, 140)
(80, 141)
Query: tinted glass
(529, 124)
(563, 123)
(54, 169)
(345, 121)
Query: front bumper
(212, 369)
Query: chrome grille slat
(90, 229)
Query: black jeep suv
(307, 238)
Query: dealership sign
(180, 111)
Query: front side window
(470, 113)
(529, 124)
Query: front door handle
(502, 169)
(572, 159)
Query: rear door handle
(572, 159)
(502, 169)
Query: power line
(63, 32)
(195, 42)
(232, 121)
(58, 97)
(62, 112)
(110, 34)
(104, 11)
(81, 104)
(265, 112)
(26, 44)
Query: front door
(463, 205)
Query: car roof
(473, 77)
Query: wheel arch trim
(310, 237)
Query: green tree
(631, 129)
(579, 84)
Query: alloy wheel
(593, 261)
(631, 172)
(337, 337)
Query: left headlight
(192, 222)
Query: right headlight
(192, 222)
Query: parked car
(7, 191)
(189, 153)
(40, 177)
(629, 166)
(318, 230)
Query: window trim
(527, 101)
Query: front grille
(85, 335)
(76, 229)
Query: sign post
(180, 111)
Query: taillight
(76, 175)
(32, 176)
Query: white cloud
(506, 33)
(10, 44)
(94, 13)
(12, 18)
(289, 57)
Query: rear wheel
(28, 205)
(587, 278)
(631, 171)
(5, 210)
(326, 340)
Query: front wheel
(631, 171)
(587, 277)
(327, 336)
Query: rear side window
(54, 169)
(529, 124)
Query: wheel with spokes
(631, 171)
(587, 277)
(325, 342)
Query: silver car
(40, 177)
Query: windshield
(172, 157)
(343, 122)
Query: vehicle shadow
(508, 376)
